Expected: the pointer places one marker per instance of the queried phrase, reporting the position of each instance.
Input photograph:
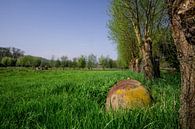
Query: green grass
(74, 99)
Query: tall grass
(76, 99)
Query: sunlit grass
(76, 99)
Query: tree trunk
(132, 65)
(138, 65)
(147, 58)
(156, 65)
(145, 52)
(135, 65)
(182, 15)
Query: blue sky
(56, 27)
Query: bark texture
(182, 14)
(148, 67)
(135, 65)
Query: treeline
(11, 57)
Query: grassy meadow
(75, 99)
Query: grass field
(72, 99)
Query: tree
(7, 61)
(91, 61)
(64, 61)
(10, 52)
(52, 61)
(169, 53)
(74, 62)
(110, 63)
(70, 63)
(121, 32)
(102, 61)
(23, 61)
(28, 61)
(44, 62)
(16, 53)
(137, 22)
(19, 61)
(182, 15)
(4, 52)
(81, 62)
(35, 61)
(57, 63)
(106, 62)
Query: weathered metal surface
(127, 94)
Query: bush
(28, 61)
(8, 61)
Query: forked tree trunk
(182, 15)
(145, 52)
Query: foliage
(28, 61)
(107, 62)
(132, 23)
(44, 63)
(81, 62)
(64, 61)
(57, 63)
(103, 61)
(52, 62)
(76, 99)
(15, 57)
(7, 61)
(74, 62)
(91, 61)
(121, 32)
(12, 53)
(4, 52)
(16, 53)
(167, 50)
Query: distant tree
(16, 53)
(110, 63)
(19, 61)
(74, 62)
(81, 62)
(10, 52)
(28, 61)
(91, 61)
(64, 61)
(44, 62)
(70, 63)
(35, 61)
(57, 63)
(7, 61)
(114, 64)
(52, 61)
(4, 52)
(102, 61)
